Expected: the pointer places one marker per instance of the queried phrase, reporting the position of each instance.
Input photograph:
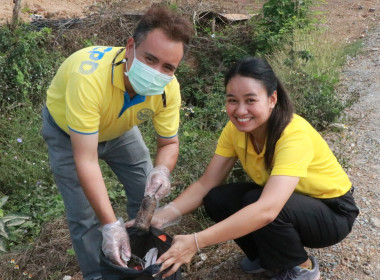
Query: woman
(300, 196)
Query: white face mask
(145, 80)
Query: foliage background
(285, 34)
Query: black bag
(141, 241)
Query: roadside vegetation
(286, 32)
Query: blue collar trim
(128, 102)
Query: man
(94, 103)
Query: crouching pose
(299, 195)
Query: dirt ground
(56, 9)
(348, 20)
(46, 8)
(357, 257)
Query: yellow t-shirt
(300, 152)
(87, 95)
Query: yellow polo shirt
(87, 95)
(300, 152)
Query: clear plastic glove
(116, 245)
(163, 217)
(158, 182)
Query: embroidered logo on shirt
(145, 114)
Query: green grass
(309, 68)
(24, 174)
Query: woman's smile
(243, 119)
(247, 103)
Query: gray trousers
(129, 159)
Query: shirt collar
(118, 71)
(241, 144)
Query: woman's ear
(273, 99)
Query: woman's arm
(217, 171)
(192, 197)
(252, 217)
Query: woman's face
(247, 104)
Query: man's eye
(169, 69)
(149, 59)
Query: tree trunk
(16, 13)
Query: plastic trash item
(151, 257)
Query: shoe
(299, 273)
(252, 267)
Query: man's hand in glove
(116, 245)
(158, 182)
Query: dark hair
(259, 69)
(175, 26)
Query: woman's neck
(260, 135)
(258, 141)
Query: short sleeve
(293, 154)
(166, 119)
(225, 145)
(83, 100)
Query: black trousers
(303, 222)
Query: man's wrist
(162, 168)
(109, 222)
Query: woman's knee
(252, 196)
(212, 200)
(217, 203)
(225, 200)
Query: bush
(278, 20)
(309, 68)
(26, 65)
(202, 76)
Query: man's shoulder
(173, 87)
(89, 60)
(172, 94)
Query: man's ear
(129, 47)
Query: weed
(25, 175)
(8, 223)
(309, 68)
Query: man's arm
(158, 181)
(167, 152)
(85, 150)
(115, 243)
